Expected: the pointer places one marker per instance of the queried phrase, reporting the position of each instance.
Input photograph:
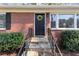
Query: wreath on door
(39, 17)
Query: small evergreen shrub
(10, 41)
(70, 40)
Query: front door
(39, 24)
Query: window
(53, 20)
(64, 21)
(2, 20)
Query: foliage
(70, 40)
(10, 41)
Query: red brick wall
(21, 22)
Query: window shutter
(8, 21)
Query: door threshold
(41, 36)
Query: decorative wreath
(39, 17)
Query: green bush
(70, 40)
(10, 41)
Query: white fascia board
(38, 6)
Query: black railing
(53, 44)
(25, 44)
(21, 50)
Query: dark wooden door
(39, 24)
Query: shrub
(10, 41)
(70, 40)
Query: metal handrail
(25, 42)
(53, 43)
(56, 47)
(21, 50)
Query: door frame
(34, 22)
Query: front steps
(39, 46)
(32, 53)
(39, 39)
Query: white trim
(45, 24)
(2, 28)
(75, 21)
(64, 28)
(57, 21)
(34, 22)
(17, 5)
(50, 20)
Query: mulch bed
(12, 53)
(8, 54)
(68, 53)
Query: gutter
(40, 6)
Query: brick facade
(21, 22)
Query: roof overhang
(35, 9)
(42, 6)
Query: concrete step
(36, 39)
(39, 50)
(40, 45)
(32, 53)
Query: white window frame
(57, 23)
(5, 24)
(76, 22)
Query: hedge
(10, 41)
(70, 40)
